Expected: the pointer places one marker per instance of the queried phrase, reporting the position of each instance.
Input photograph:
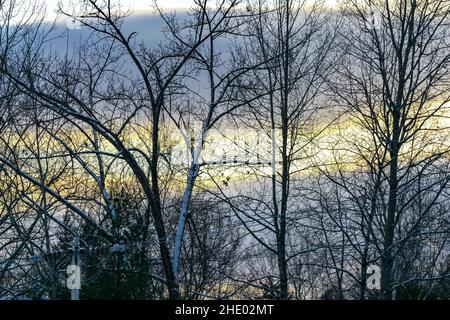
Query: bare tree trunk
(184, 211)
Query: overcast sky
(135, 5)
(147, 26)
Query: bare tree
(294, 43)
(394, 86)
